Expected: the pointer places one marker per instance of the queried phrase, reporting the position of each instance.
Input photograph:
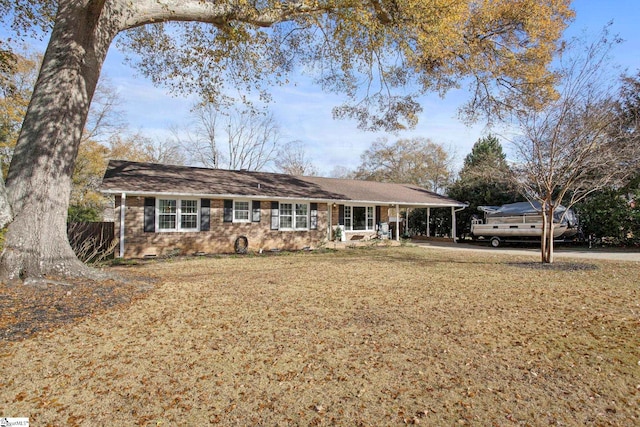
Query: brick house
(162, 209)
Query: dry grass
(360, 337)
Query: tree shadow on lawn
(556, 266)
(26, 310)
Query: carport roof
(137, 178)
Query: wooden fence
(90, 240)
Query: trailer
(521, 222)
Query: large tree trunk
(39, 179)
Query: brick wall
(221, 237)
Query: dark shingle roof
(150, 178)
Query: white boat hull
(514, 230)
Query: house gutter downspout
(123, 205)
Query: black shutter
(378, 214)
(149, 214)
(228, 211)
(275, 215)
(340, 214)
(255, 211)
(314, 216)
(205, 215)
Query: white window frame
(178, 214)
(294, 215)
(370, 217)
(248, 210)
(182, 215)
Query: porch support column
(453, 223)
(397, 223)
(123, 205)
(428, 222)
(330, 220)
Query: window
(294, 216)
(189, 214)
(302, 216)
(359, 218)
(177, 214)
(286, 215)
(347, 217)
(240, 211)
(167, 214)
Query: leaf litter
(386, 336)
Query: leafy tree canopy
(364, 50)
(416, 161)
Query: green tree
(485, 179)
(416, 161)
(364, 50)
(609, 214)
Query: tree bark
(39, 179)
(546, 246)
(543, 238)
(550, 214)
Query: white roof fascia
(260, 197)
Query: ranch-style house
(164, 209)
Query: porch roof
(137, 178)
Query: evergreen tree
(485, 179)
(609, 215)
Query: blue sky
(304, 112)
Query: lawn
(384, 336)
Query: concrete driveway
(559, 252)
